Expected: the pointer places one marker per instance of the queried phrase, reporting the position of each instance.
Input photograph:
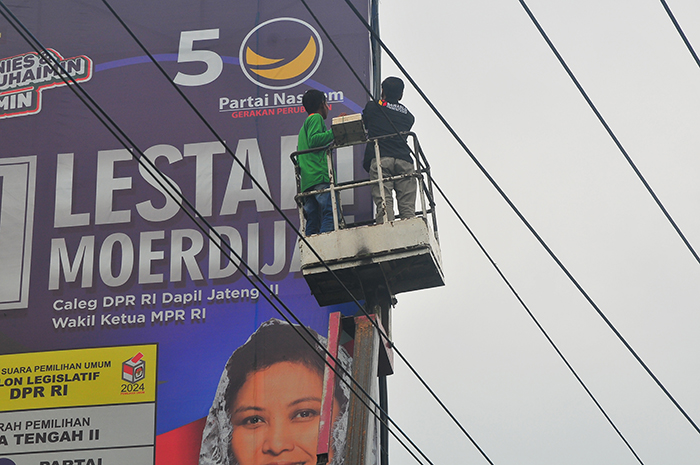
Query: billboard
(94, 253)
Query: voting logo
(134, 369)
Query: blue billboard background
(90, 234)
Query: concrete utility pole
(368, 342)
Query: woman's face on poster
(275, 416)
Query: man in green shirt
(313, 166)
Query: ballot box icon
(134, 369)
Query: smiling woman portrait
(267, 406)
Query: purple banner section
(93, 251)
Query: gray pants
(405, 188)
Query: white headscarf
(216, 439)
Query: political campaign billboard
(95, 252)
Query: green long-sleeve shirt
(313, 166)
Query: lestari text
(125, 192)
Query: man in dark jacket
(388, 116)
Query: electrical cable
(539, 326)
(170, 189)
(249, 269)
(246, 170)
(411, 368)
(529, 226)
(279, 210)
(362, 309)
(590, 394)
(651, 192)
(382, 333)
(441, 192)
(680, 31)
(610, 132)
(268, 289)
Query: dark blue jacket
(378, 124)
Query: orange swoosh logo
(291, 70)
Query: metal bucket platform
(404, 255)
(398, 256)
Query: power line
(610, 132)
(651, 192)
(527, 223)
(680, 31)
(529, 312)
(297, 232)
(245, 169)
(541, 328)
(203, 119)
(385, 336)
(411, 368)
(244, 262)
(549, 339)
(520, 215)
(194, 215)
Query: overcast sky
(486, 67)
